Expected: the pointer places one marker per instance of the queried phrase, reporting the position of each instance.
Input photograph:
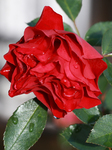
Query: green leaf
(76, 136)
(96, 32)
(70, 7)
(101, 134)
(108, 100)
(103, 83)
(108, 72)
(87, 115)
(25, 126)
(33, 22)
(107, 42)
(67, 27)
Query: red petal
(88, 51)
(7, 70)
(29, 34)
(48, 101)
(63, 51)
(43, 68)
(88, 102)
(50, 20)
(98, 66)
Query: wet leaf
(25, 126)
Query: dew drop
(74, 87)
(43, 53)
(55, 117)
(76, 67)
(77, 129)
(64, 80)
(41, 81)
(71, 127)
(31, 127)
(15, 120)
(15, 86)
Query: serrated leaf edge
(91, 131)
(87, 113)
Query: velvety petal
(76, 70)
(7, 70)
(28, 34)
(10, 57)
(88, 51)
(48, 101)
(69, 74)
(87, 71)
(98, 66)
(88, 102)
(63, 51)
(49, 20)
(43, 68)
(73, 44)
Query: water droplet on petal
(15, 86)
(64, 80)
(74, 87)
(76, 67)
(41, 81)
(31, 127)
(43, 53)
(33, 47)
(55, 117)
(15, 120)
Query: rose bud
(59, 67)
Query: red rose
(59, 67)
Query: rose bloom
(59, 67)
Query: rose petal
(48, 101)
(49, 20)
(63, 51)
(43, 68)
(88, 51)
(7, 70)
(88, 102)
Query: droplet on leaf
(15, 120)
(31, 127)
(78, 129)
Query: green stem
(76, 29)
(107, 55)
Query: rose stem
(109, 148)
(76, 29)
